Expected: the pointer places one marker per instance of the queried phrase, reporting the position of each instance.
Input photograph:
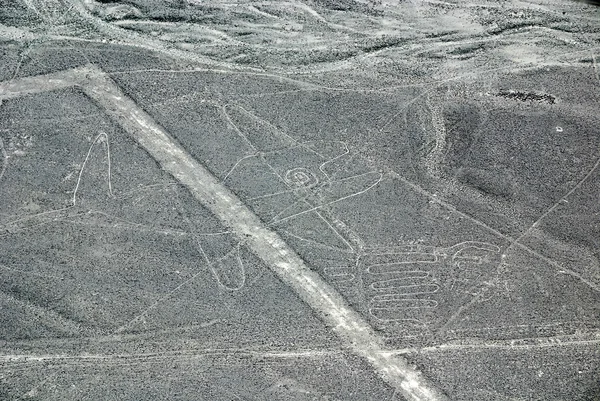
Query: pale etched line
(292, 190)
(44, 316)
(596, 70)
(458, 312)
(156, 303)
(162, 299)
(124, 225)
(348, 244)
(185, 354)
(290, 206)
(348, 160)
(287, 191)
(101, 138)
(235, 166)
(265, 243)
(2, 266)
(588, 338)
(562, 269)
(339, 226)
(499, 344)
(346, 151)
(38, 216)
(315, 243)
(308, 86)
(284, 181)
(18, 67)
(312, 209)
(4, 159)
(31, 5)
(199, 28)
(242, 283)
(508, 238)
(270, 125)
(237, 129)
(263, 13)
(559, 202)
(148, 187)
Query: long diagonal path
(351, 328)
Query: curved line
(101, 135)
(335, 158)
(235, 166)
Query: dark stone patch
(524, 96)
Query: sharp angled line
(209, 263)
(563, 198)
(346, 163)
(562, 269)
(559, 267)
(143, 313)
(352, 329)
(449, 206)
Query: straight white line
(186, 354)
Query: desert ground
(299, 200)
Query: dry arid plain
(389, 200)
